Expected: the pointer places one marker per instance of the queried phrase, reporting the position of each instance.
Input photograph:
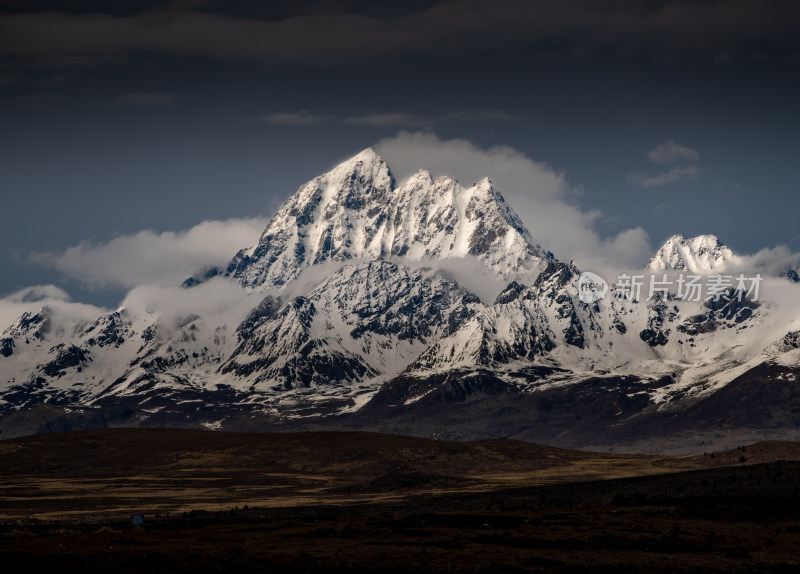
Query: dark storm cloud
(342, 33)
(245, 9)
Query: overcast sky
(142, 140)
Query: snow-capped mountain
(702, 254)
(353, 321)
(356, 211)
(365, 322)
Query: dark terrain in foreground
(366, 502)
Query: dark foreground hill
(365, 502)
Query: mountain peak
(700, 254)
(422, 175)
(367, 154)
(366, 168)
(356, 211)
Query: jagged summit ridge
(357, 211)
(343, 204)
(701, 254)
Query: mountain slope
(364, 320)
(702, 254)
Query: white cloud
(676, 174)
(37, 293)
(148, 257)
(539, 194)
(671, 151)
(32, 299)
(508, 168)
(219, 302)
(146, 100)
(628, 248)
(469, 272)
(770, 261)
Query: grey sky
(162, 115)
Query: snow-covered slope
(697, 344)
(54, 360)
(702, 254)
(362, 324)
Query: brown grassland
(366, 502)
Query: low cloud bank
(32, 299)
(541, 195)
(148, 257)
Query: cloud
(306, 118)
(149, 257)
(152, 265)
(469, 272)
(539, 194)
(219, 302)
(32, 299)
(769, 262)
(145, 100)
(37, 293)
(676, 174)
(384, 120)
(670, 151)
(346, 34)
(629, 248)
(475, 115)
(510, 169)
(301, 118)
